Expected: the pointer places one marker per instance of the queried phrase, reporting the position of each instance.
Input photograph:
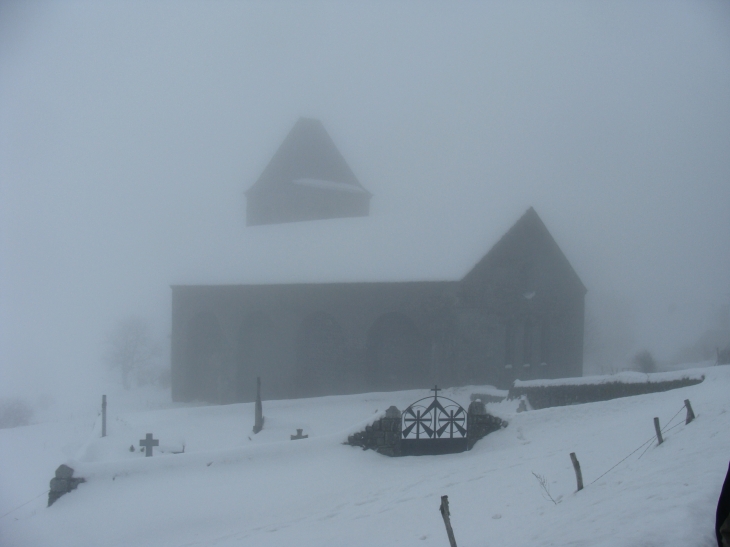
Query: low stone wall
(384, 434)
(545, 396)
(480, 424)
(63, 483)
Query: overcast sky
(129, 131)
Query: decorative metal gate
(433, 425)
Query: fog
(129, 132)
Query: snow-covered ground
(231, 487)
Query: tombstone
(147, 443)
(298, 435)
(259, 418)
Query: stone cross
(147, 443)
(298, 435)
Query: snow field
(229, 490)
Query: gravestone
(298, 435)
(147, 443)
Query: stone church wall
(518, 314)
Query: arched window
(545, 343)
(257, 354)
(320, 355)
(204, 356)
(527, 343)
(509, 345)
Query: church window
(509, 345)
(527, 343)
(545, 343)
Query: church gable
(527, 286)
(524, 260)
(307, 179)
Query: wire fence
(646, 445)
(24, 504)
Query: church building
(516, 314)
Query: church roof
(530, 230)
(426, 245)
(308, 157)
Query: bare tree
(644, 362)
(132, 349)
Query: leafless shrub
(545, 488)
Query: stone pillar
(479, 424)
(383, 435)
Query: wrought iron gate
(434, 425)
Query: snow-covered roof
(330, 185)
(425, 245)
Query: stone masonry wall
(383, 435)
(562, 395)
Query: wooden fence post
(447, 521)
(578, 474)
(103, 415)
(690, 414)
(658, 431)
(258, 423)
